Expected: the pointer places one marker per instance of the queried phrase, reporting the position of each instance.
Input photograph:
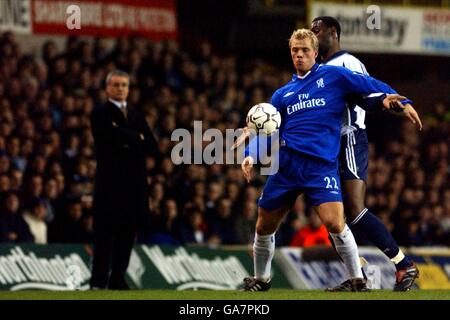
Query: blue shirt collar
(297, 77)
(335, 55)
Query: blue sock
(377, 233)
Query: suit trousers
(112, 251)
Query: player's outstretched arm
(397, 103)
(355, 82)
(247, 166)
(378, 101)
(412, 114)
(241, 139)
(392, 101)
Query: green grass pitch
(275, 294)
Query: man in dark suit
(122, 142)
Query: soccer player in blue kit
(353, 160)
(311, 107)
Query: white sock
(346, 247)
(399, 257)
(263, 251)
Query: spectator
(16, 177)
(245, 223)
(220, 222)
(34, 191)
(194, 231)
(164, 227)
(311, 235)
(13, 228)
(71, 227)
(35, 218)
(13, 150)
(51, 200)
(4, 164)
(5, 183)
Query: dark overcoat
(121, 189)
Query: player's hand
(393, 102)
(241, 139)
(412, 114)
(247, 166)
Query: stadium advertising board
(15, 16)
(192, 268)
(155, 19)
(389, 29)
(41, 267)
(434, 264)
(307, 269)
(67, 267)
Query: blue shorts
(354, 156)
(299, 173)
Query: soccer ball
(264, 118)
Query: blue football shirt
(312, 108)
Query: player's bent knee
(335, 226)
(332, 216)
(333, 223)
(263, 231)
(268, 221)
(264, 227)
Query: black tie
(123, 108)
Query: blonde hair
(301, 34)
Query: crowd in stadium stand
(47, 164)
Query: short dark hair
(36, 202)
(330, 22)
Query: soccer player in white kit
(353, 160)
